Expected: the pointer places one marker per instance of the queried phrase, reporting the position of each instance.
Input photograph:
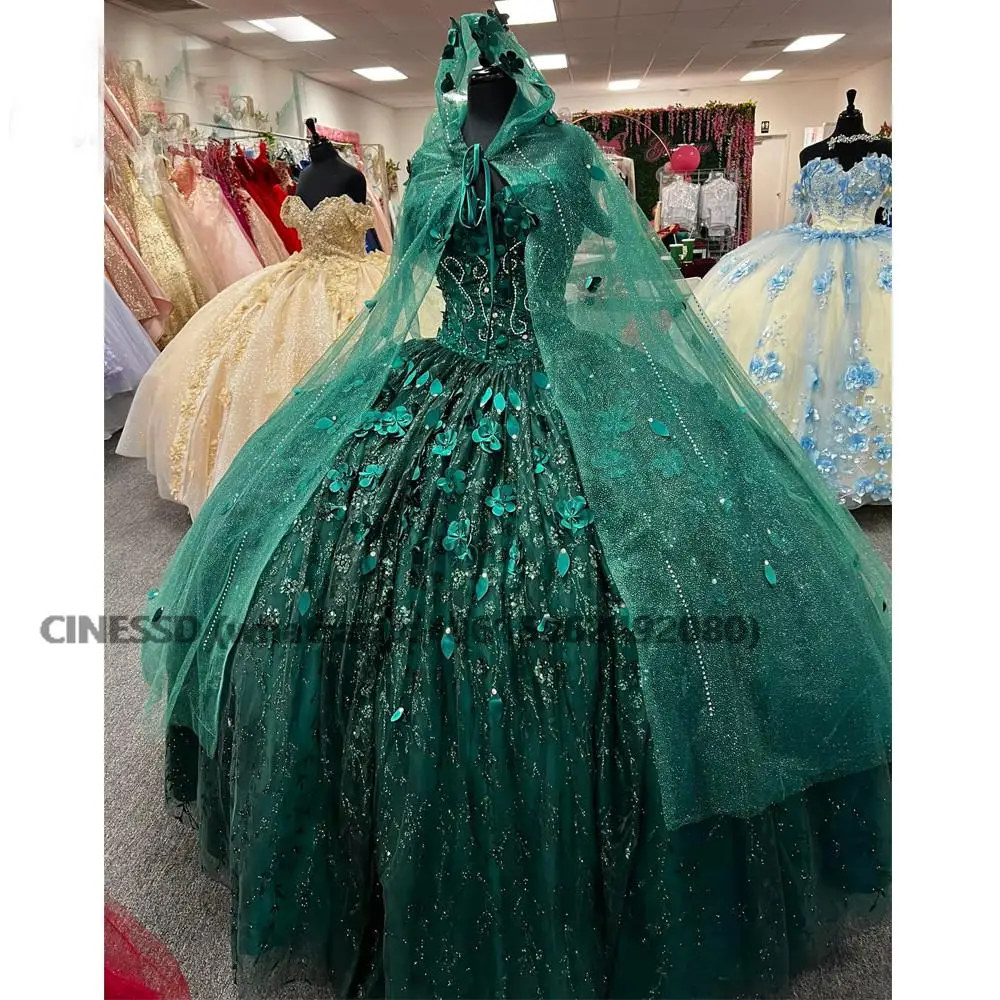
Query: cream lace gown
(239, 357)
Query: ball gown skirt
(396, 818)
(128, 353)
(241, 355)
(807, 312)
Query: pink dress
(231, 255)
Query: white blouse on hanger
(717, 209)
(679, 204)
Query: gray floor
(150, 860)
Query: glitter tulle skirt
(233, 364)
(807, 313)
(426, 787)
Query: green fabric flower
(487, 434)
(502, 501)
(453, 34)
(488, 31)
(517, 220)
(447, 83)
(541, 457)
(457, 539)
(340, 478)
(368, 420)
(370, 475)
(444, 443)
(511, 63)
(393, 423)
(452, 482)
(574, 514)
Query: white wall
(874, 87)
(192, 70)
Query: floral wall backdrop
(723, 133)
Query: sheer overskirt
(394, 819)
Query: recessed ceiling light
(380, 73)
(243, 27)
(759, 74)
(808, 42)
(527, 11)
(294, 29)
(554, 61)
(624, 84)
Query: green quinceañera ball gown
(535, 660)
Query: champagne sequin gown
(240, 355)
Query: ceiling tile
(628, 8)
(591, 27)
(232, 9)
(311, 7)
(705, 40)
(568, 10)
(713, 4)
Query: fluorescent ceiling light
(243, 27)
(809, 42)
(624, 84)
(759, 74)
(528, 11)
(554, 61)
(294, 29)
(380, 73)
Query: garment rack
(276, 135)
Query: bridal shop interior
(266, 167)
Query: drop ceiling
(668, 44)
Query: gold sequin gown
(146, 224)
(239, 357)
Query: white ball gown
(807, 311)
(239, 357)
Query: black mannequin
(328, 174)
(491, 93)
(849, 123)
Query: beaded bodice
(486, 312)
(833, 198)
(336, 227)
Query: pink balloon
(684, 159)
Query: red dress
(262, 182)
(136, 965)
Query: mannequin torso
(850, 126)
(328, 174)
(490, 96)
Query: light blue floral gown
(807, 311)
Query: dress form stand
(491, 93)
(850, 143)
(328, 175)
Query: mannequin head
(320, 148)
(850, 121)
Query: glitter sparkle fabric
(536, 660)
